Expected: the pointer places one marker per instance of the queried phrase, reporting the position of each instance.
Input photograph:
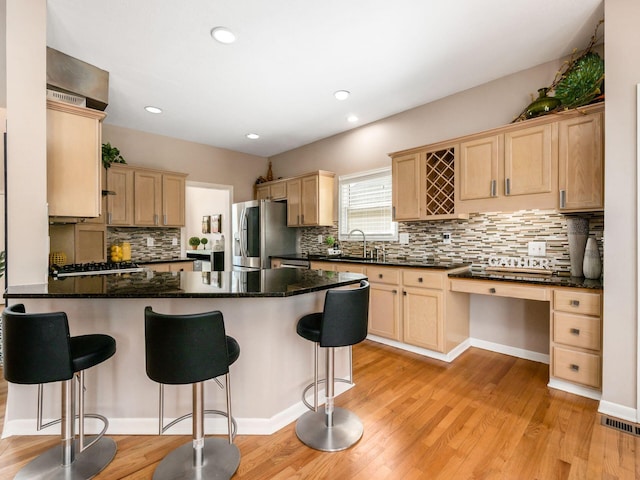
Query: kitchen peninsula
(260, 308)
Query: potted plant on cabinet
(194, 242)
(111, 155)
(204, 242)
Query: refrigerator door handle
(243, 233)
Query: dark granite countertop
(280, 282)
(546, 280)
(150, 261)
(392, 262)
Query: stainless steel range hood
(70, 75)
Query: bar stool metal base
(85, 465)
(312, 430)
(221, 459)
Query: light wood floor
(486, 416)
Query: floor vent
(622, 426)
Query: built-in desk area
(575, 313)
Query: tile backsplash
(472, 240)
(163, 247)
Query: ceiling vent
(70, 75)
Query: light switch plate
(319, 238)
(174, 241)
(404, 239)
(150, 242)
(446, 237)
(537, 249)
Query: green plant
(204, 242)
(330, 240)
(194, 241)
(111, 155)
(3, 262)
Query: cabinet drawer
(349, 267)
(383, 275)
(577, 367)
(420, 278)
(576, 302)
(500, 289)
(576, 330)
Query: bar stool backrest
(182, 349)
(345, 316)
(35, 346)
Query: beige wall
(621, 291)
(203, 163)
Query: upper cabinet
(145, 198)
(581, 172)
(276, 190)
(423, 184)
(551, 162)
(74, 165)
(310, 200)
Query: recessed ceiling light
(253, 136)
(341, 94)
(352, 118)
(223, 35)
(151, 109)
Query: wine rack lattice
(440, 182)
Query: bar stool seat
(38, 349)
(190, 349)
(343, 322)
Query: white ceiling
(278, 78)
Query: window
(365, 204)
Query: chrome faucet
(364, 241)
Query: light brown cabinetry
(310, 200)
(576, 337)
(512, 170)
(423, 184)
(144, 197)
(74, 165)
(272, 191)
(169, 266)
(81, 242)
(581, 171)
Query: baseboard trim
(618, 411)
(512, 351)
(444, 357)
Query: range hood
(70, 75)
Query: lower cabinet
(169, 266)
(576, 337)
(80, 242)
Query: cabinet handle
(575, 331)
(563, 198)
(109, 218)
(404, 293)
(393, 213)
(575, 303)
(507, 186)
(493, 188)
(164, 219)
(302, 218)
(574, 367)
(419, 279)
(155, 219)
(492, 290)
(379, 275)
(394, 291)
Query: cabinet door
(384, 311)
(581, 163)
(173, 200)
(147, 198)
(294, 197)
(90, 243)
(405, 177)
(278, 191)
(120, 199)
(262, 193)
(309, 201)
(479, 168)
(423, 320)
(74, 165)
(528, 161)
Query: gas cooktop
(98, 268)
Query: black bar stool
(183, 349)
(343, 322)
(38, 349)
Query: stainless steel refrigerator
(260, 231)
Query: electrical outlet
(150, 242)
(404, 239)
(446, 237)
(319, 238)
(174, 241)
(537, 249)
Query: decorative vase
(269, 173)
(592, 265)
(542, 105)
(578, 232)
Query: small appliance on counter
(94, 268)
(259, 232)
